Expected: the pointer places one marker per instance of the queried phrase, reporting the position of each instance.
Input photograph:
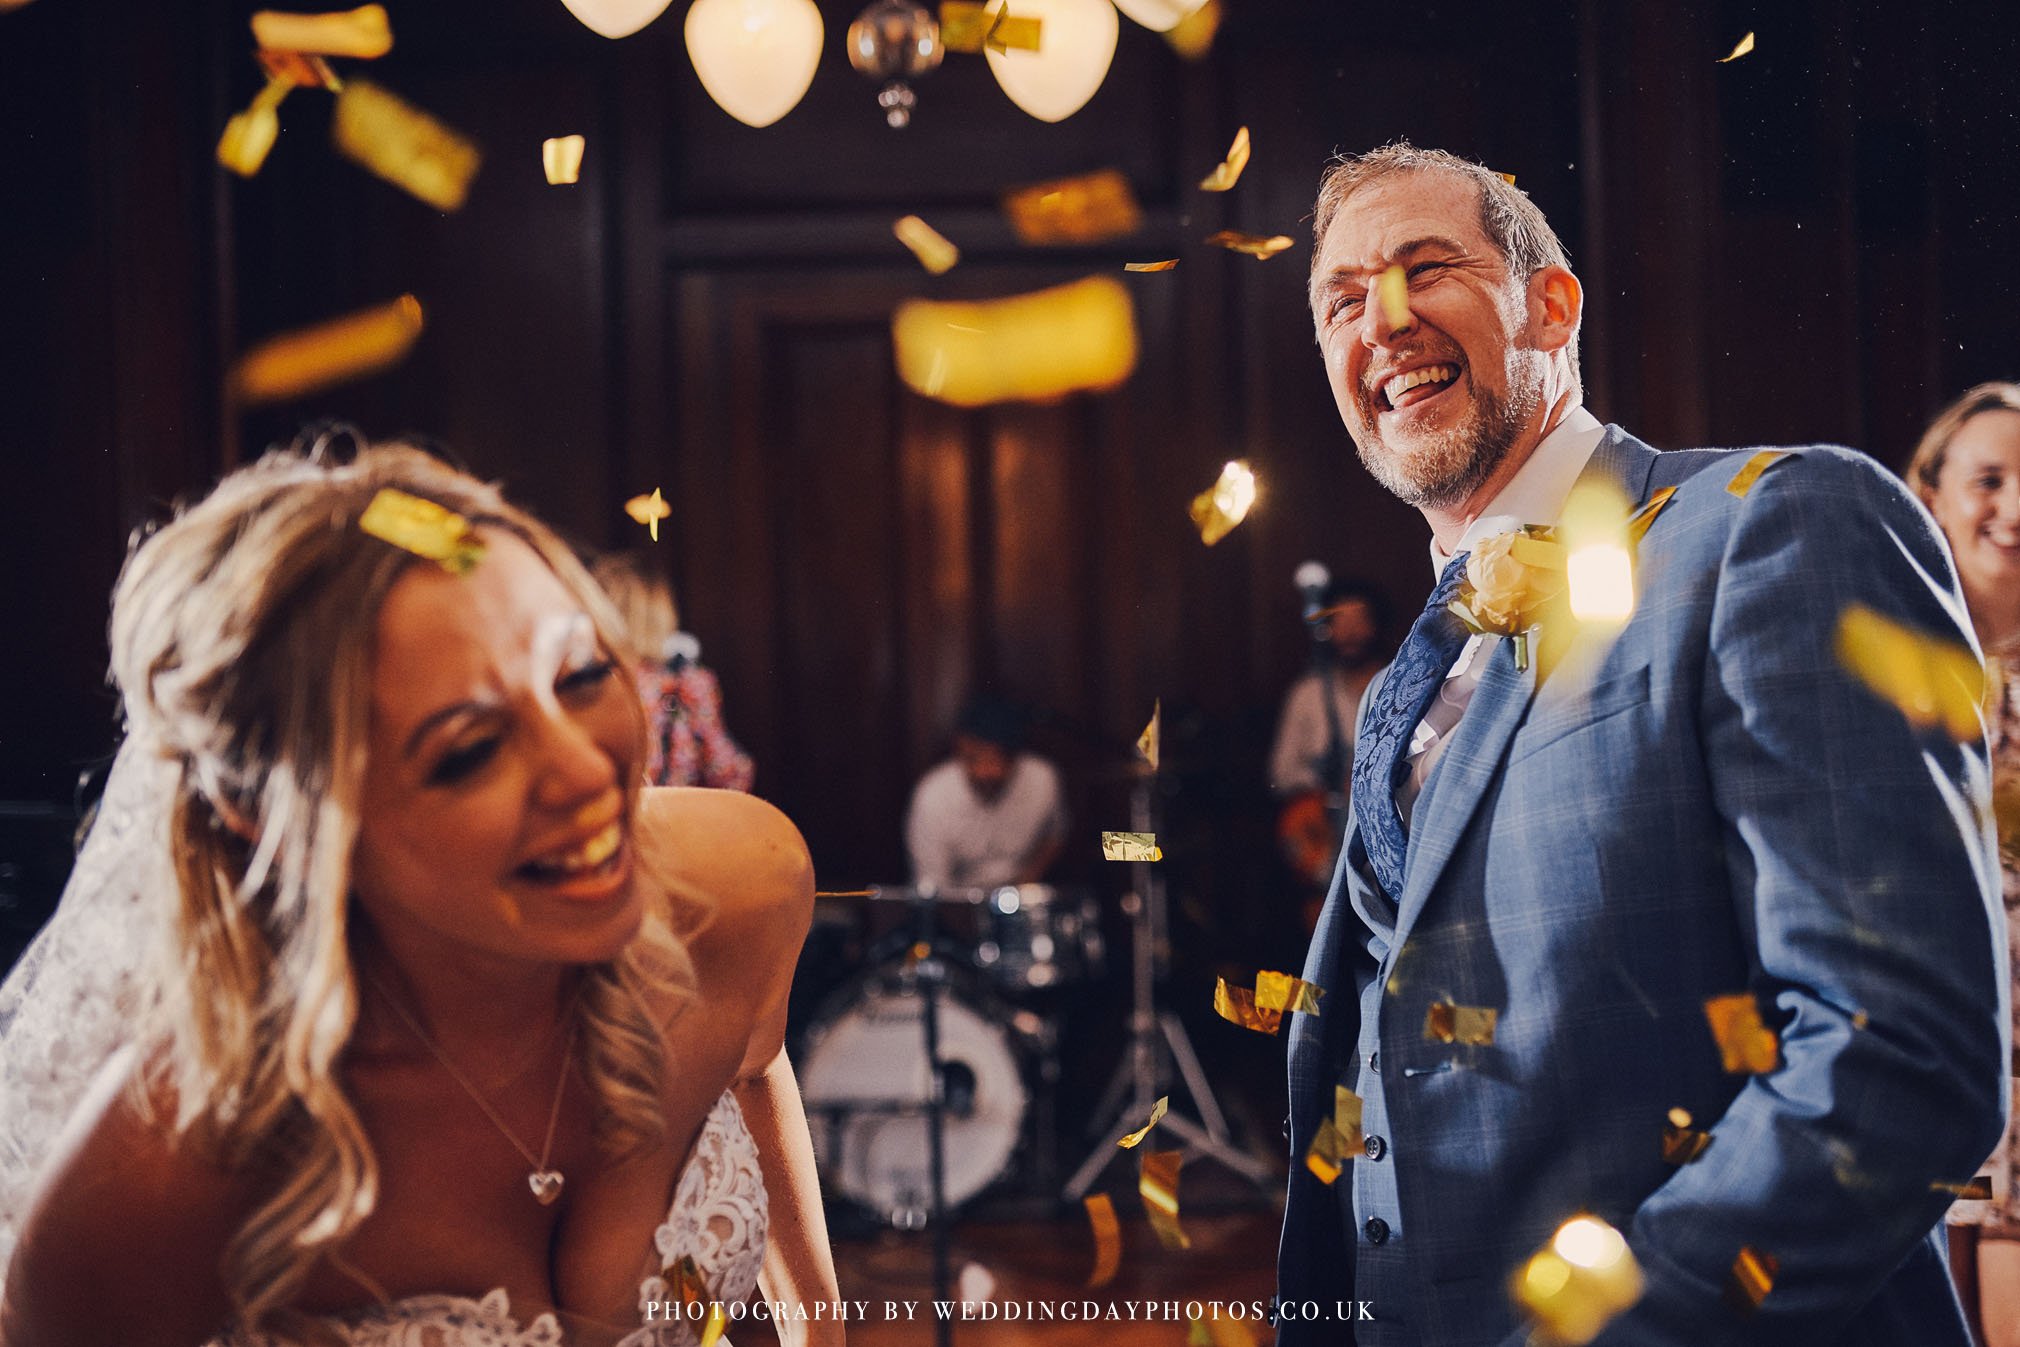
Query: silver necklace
(544, 1181)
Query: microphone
(1311, 580)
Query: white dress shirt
(1534, 495)
(957, 838)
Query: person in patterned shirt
(690, 745)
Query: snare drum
(1036, 936)
(864, 1080)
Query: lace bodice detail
(718, 1218)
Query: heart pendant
(546, 1185)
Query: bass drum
(864, 1080)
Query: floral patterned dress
(690, 745)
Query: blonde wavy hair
(643, 599)
(242, 643)
(1925, 466)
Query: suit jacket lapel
(1479, 742)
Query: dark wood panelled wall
(1815, 242)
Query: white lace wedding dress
(65, 1009)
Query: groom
(1702, 803)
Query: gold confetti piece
(1036, 347)
(1682, 1143)
(1861, 1020)
(1743, 480)
(1148, 743)
(1753, 1276)
(928, 244)
(1195, 1332)
(363, 33)
(1746, 1045)
(386, 135)
(649, 510)
(1392, 292)
(1217, 510)
(1237, 1006)
(966, 26)
(1936, 684)
(1448, 1023)
(424, 528)
(1327, 1155)
(1643, 519)
(302, 71)
(1978, 1189)
(1192, 37)
(249, 135)
(329, 353)
(1347, 1108)
(1262, 247)
(1281, 991)
(1508, 178)
(1089, 208)
(1157, 1111)
(1166, 265)
(712, 1327)
(1228, 172)
(561, 159)
(1580, 1282)
(1130, 847)
(1745, 46)
(1157, 1184)
(1107, 1239)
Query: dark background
(1816, 242)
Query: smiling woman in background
(448, 1030)
(1967, 471)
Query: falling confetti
(1217, 510)
(1347, 1108)
(1743, 480)
(1580, 1282)
(1752, 1278)
(561, 159)
(1392, 292)
(1262, 247)
(928, 244)
(1745, 1045)
(1157, 1110)
(250, 135)
(1745, 46)
(1281, 991)
(1149, 742)
(1033, 347)
(1936, 684)
(1237, 1006)
(649, 510)
(1643, 519)
(1228, 172)
(1090, 208)
(1130, 847)
(1682, 1143)
(1447, 1023)
(1192, 37)
(966, 26)
(1107, 1239)
(363, 33)
(1157, 1184)
(1327, 1155)
(1167, 264)
(313, 358)
(424, 528)
(1978, 1189)
(304, 72)
(404, 145)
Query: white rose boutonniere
(1510, 579)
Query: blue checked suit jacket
(1711, 804)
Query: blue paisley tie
(1413, 680)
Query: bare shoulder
(126, 1235)
(739, 857)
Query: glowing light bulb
(755, 57)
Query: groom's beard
(1444, 468)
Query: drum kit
(984, 982)
(999, 963)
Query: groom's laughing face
(1436, 402)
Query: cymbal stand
(1157, 1043)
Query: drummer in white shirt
(992, 814)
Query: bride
(437, 1027)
